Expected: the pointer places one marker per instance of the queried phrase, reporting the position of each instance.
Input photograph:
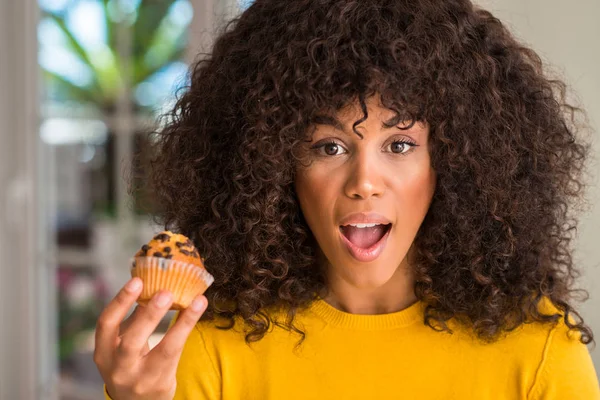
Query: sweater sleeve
(106, 396)
(197, 376)
(566, 370)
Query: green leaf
(73, 43)
(143, 72)
(102, 62)
(74, 92)
(110, 37)
(151, 14)
(156, 42)
(167, 45)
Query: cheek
(415, 190)
(310, 189)
(318, 195)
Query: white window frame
(28, 362)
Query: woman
(383, 191)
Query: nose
(364, 179)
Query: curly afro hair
(497, 239)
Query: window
(109, 68)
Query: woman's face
(384, 179)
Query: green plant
(157, 30)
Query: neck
(395, 295)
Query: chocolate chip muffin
(170, 261)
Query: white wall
(567, 35)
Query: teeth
(363, 225)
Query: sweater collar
(334, 317)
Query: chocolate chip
(179, 244)
(167, 249)
(163, 237)
(187, 253)
(158, 254)
(169, 256)
(145, 247)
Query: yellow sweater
(391, 356)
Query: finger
(170, 347)
(107, 327)
(135, 338)
(127, 322)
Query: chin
(369, 276)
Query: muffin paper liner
(185, 281)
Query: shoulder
(546, 360)
(220, 333)
(214, 331)
(559, 364)
(207, 340)
(565, 368)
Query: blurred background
(82, 82)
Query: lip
(366, 255)
(365, 218)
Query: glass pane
(81, 51)
(79, 66)
(245, 4)
(143, 201)
(160, 40)
(82, 294)
(109, 68)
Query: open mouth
(364, 236)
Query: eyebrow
(333, 121)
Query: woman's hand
(129, 368)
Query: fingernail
(133, 285)
(162, 299)
(197, 305)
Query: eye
(401, 147)
(335, 149)
(329, 149)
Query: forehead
(373, 109)
(354, 109)
(389, 120)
